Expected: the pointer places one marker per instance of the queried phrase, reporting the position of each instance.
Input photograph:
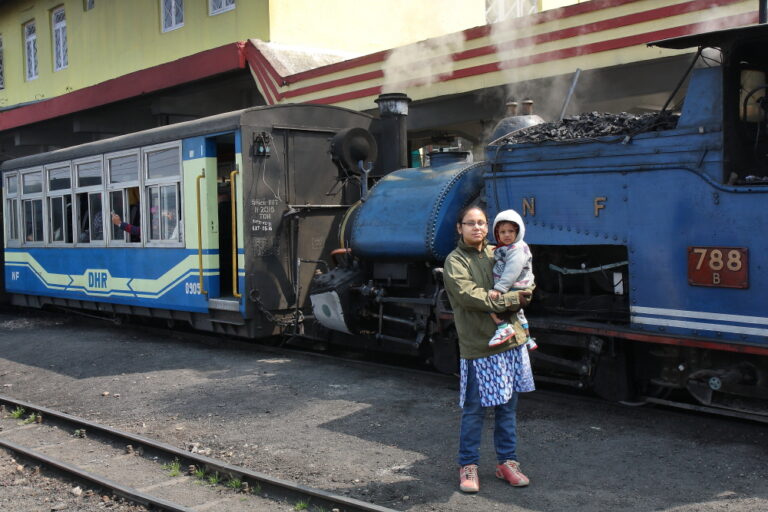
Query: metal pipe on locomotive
(648, 254)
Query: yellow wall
(118, 37)
(367, 26)
(115, 38)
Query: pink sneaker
(531, 344)
(510, 471)
(502, 335)
(468, 480)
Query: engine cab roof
(716, 39)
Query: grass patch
(235, 483)
(30, 419)
(214, 479)
(301, 505)
(17, 413)
(173, 468)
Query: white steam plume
(421, 63)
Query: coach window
(123, 190)
(12, 207)
(88, 202)
(162, 181)
(32, 205)
(59, 204)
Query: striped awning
(590, 35)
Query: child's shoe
(503, 334)
(531, 344)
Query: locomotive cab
(735, 94)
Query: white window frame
(175, 6)
(30, 50)
(124, 186)
(225, 5)
(50, 194)
(33, 196)
(7, 198)
(59, 39)
(89, 189)
(149, 183)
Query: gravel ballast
(374, 433)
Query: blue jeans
(472, 416)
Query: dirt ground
(377, 434)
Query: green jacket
(468, 276)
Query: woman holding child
(491, 376)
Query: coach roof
(218, 123)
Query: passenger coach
(223, 220)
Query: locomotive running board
(762, 418)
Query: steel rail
(318, 496)
(118, 489)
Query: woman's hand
(524, 298)
(494, 294)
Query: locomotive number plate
(726, 267)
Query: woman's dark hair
(463, 212)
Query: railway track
(149, 472)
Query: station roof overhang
(715, 39)
(587, 36)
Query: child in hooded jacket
(512, 270)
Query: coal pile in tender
(594, 124)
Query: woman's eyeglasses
(480, 224)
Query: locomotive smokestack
(527, 107)
(393, 109)
(511, 108)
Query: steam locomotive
(648, 254)
(293, 220)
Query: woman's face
(473, 228)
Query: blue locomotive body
(694, 254)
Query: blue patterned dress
(499, 376)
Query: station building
(74, 71)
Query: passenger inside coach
(132, 213)
(128, 228)
(170, 225)
(90, 219)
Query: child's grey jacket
(512, 269)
